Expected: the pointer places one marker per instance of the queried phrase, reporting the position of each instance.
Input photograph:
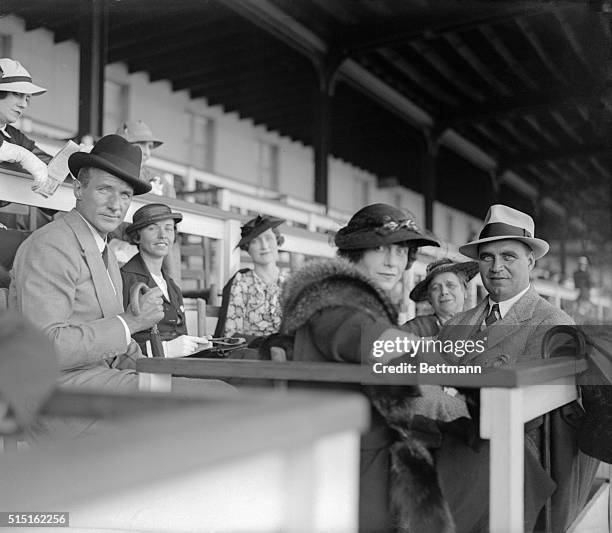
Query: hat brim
(132, 228)
(468, 268)
(79, 160)
(540, 247)
(23, 87)
(359, 240)
(258, 230)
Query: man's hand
(186, 345)
(151, 311)
(13, 153)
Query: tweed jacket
(60, 284)
(516, 337)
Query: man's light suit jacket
(60, 284)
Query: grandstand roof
(517, 90)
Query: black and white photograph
(306, 266)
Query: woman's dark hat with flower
(255, 227)
(468, 268)
(380, 224)
(148, 214)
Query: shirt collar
(100, 242)
(506, 305)
(4, 132)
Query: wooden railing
(510, 397)
(232, 463)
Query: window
(115, 105)
(202, 142)
(267, 164)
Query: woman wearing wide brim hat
(251, 298)
(336, 310)
(17, 151)
(153, 231)
(445, 288)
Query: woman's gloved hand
(13, 153)
(185, 345)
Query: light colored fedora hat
(503, 222)
(16, 79)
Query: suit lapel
(108, 297)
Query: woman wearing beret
(153, 230)
(334, 310)
(445, 288)
(251, 306)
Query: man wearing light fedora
(512, 321)
(66, 280)
(506, 250)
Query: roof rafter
(563, 153)
(474, 61)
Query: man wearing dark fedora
(512, 321)
(67, 281)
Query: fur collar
(331, 283)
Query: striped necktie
(493, 316)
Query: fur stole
(331, 283)
(417, 503)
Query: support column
(322, 140)
(326, 69)
(93, 40)
(563, 249)
(428, 176)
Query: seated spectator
(67, 282)
(251, 306)
(153, 231)
(445, 288)
(335, 310)
(138, 133)
(17, 151)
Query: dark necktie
(105, 256)
(493, 316)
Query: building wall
(235, 152)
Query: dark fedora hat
(255, 227)
(380, 224)
(115, 155)
(150, 213)
(468, 268)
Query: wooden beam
(93, 16)
(508, 57)
(566, 127)
(366, 38)
(524, 103)
(534, 40)
(418, 78)
(533, 122)
(563, 153)
(474, 61)
(571, 36)
(448, 72)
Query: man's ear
(76, 189)
(531, 260)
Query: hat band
(499, 229)
(13, 79)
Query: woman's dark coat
(173, 324)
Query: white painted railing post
(502, 423)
